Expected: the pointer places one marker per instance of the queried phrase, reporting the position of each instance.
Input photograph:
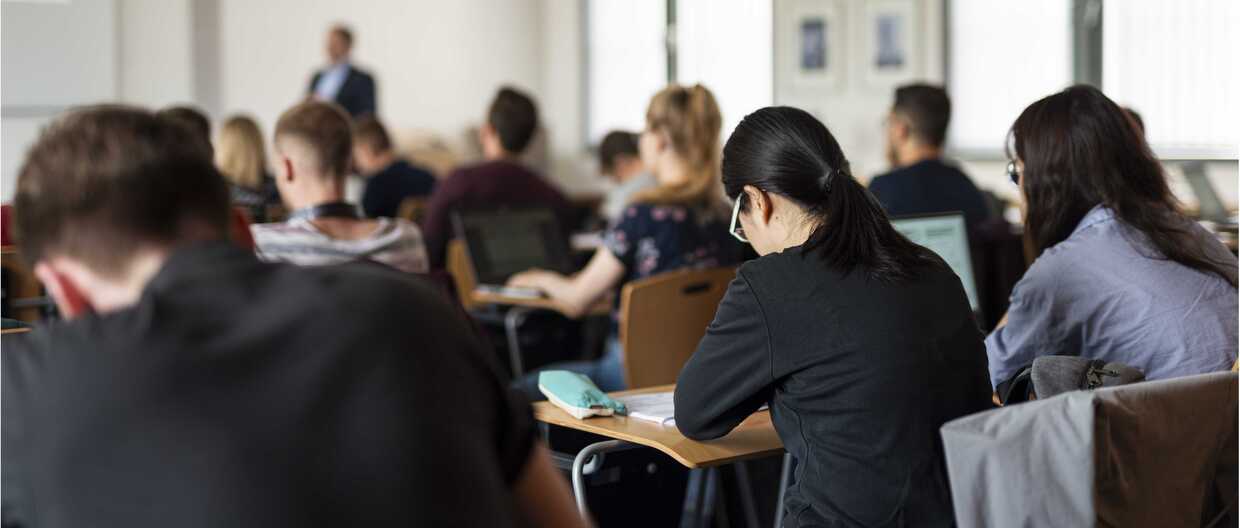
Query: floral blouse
(653, 239)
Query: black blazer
(859, 375)
(356, 95)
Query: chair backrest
(23, 294)
(462, 271)
(662, 318)
(412, 209)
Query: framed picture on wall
(891, 27)
(812, 51)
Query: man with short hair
(500, 180)
(193, 385)
(341, 82)
(389, 179)
(312, 146)
(921, 183)
(619, 159)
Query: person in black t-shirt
(389, 179)
(192, 385)
(862, 342)
(921, 182)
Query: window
(1175, 64)
(1003, 55)
(626, 63)
(725, 46)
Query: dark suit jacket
(356, 95)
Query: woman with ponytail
(862, 342)
(680, 223)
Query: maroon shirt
(488, 185)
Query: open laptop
(946, 235)
(504, 242)
(1209, 206)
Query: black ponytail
(787, 151)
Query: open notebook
(657, 407)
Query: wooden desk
(8, 331)
(602, 307)
(754, 438)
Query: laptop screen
(946, 235)
(502, 243)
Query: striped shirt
(396, 242)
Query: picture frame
(812, 48)
(891, 56)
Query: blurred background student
(241, 157)
(620, 160)
(389, 179)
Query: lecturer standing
(340, 81)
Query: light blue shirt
(620, 196)
(1101, 294)
(331, 80)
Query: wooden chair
(662, 318)
(23, 292)
(462, 270)
(412, 209)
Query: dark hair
(928, 110)
(345, 33)
(325, 128)
(369, 131)
(514, 117)
(191, 117)
(1080, 150)
(787, 151)
(102, 181)
(615, 144)
(1136, 120)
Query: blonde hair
(690, 119)
(239, 152)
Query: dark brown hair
(369, 131)
(190, 117)
(104, 181)
(615, 144)
(514, 116)
(927, 109)
(325, 129)
(1081, 150)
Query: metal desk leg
(595, 451)
(784, 474)
(746, 490)
(512, 323)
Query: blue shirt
(1104, 293)
(331, 80)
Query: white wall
(155, 56)
(436, 64)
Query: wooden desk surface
(753, 438)
(8, 331)
(483, 297)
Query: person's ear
(69, 297)
(760, 206)
(288, 169)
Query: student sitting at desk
(192, 385)
(389, 179)
(242, 159)
(862, 342)
(1121, 274)
(312, 143)
(620, 160)
(500, 180)
(680, 223)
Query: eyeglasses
(735, 228)
(1013, 173)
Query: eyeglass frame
(733, 227)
